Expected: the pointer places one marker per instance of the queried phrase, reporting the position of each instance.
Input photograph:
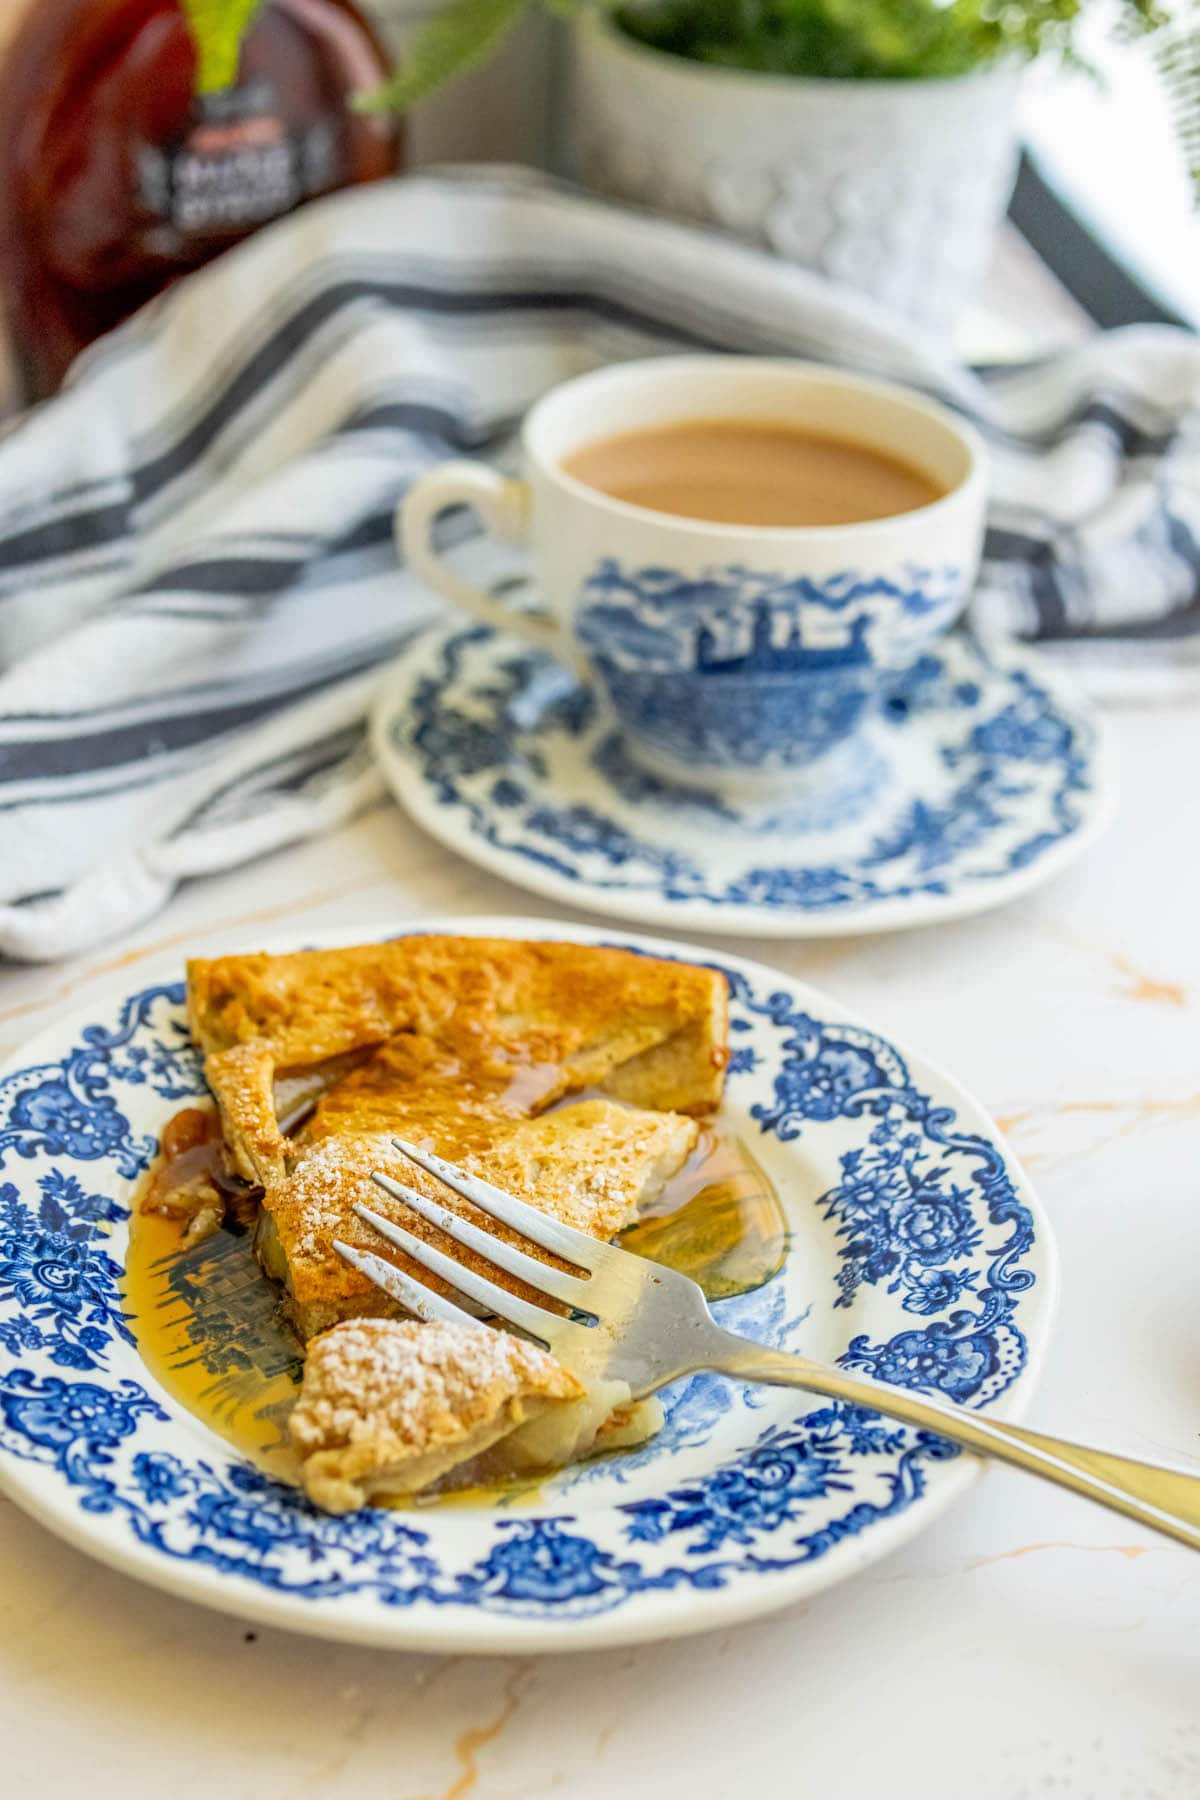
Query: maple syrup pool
(210, 1329)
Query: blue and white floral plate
(979, 778)
(918, 1255)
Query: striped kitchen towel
(197, 578)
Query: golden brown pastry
(649, 1032)
(390, 1408)
(459, 1044)
(593, 1165)
(471, 1047)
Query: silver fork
(635, 1321)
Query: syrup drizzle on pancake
(209, 1327)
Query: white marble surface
(1027, 1645)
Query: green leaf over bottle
(217, 28)
(462, 34)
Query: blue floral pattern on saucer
(917, 1255)
(975, 780)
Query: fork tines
(535, 1226)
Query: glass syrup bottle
(117, 177)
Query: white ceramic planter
(894, 187)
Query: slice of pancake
(555, 1017)
(593, 1164)
(391, 1409)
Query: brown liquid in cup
(743, 472)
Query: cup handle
(504, 507)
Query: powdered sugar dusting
(591, 1165)
(327, 1181)
(414, 1384)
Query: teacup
(743, 652)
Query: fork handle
(1164, 1498)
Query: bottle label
(237, 165)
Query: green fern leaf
(217, 28)
(465, 33)
(1178, 56)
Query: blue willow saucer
(977, 779)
